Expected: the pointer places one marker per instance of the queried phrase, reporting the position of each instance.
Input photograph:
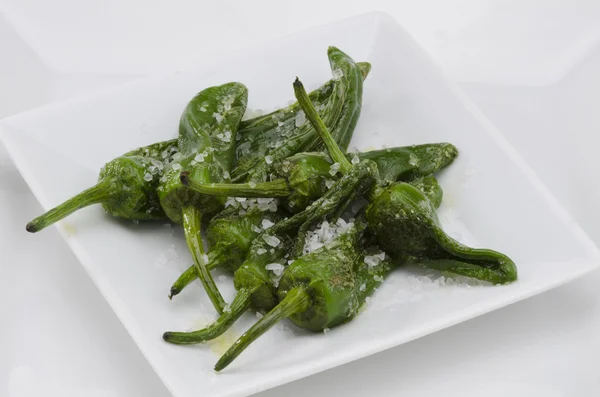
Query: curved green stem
(238, 306)
(334, 150)
(276, 188)
(297, 300)
(192, 229)
(188, 276)
(102, 192)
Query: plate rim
(369, 347)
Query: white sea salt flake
(271, 240)
(335, 167)
(362, 287)
(355, 159)
(266, 224)
(199, 157)
(269, 159)
(300, 118)
(378, 278)
(252, 184)
(329, 183)
(256, 229)
(261, 251)
(176, 166)
(226, 175)
(413, 160)
(218, 117)
(276, 268)
(148, 177)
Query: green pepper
(340, 112)
(405, 223)
(126, 187)
(255, 286)
(230, 234)
(257, 137)
(207, 135)
(319, 290)
(305, 177)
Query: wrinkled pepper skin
(320, 290)
(259, 136)
(201, 133)
(405, 163)
(405, 222)
(123, 188)
(230, 236)
(207, 135)
(252, 280)
(304, 177)
(339, 112)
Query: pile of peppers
(268, 188)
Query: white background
(531, 66)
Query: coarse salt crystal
(176, 166)
(261, 251)
(218, 117)
(266, 224)
(252, 184)
(355, 159)
(199, 157)
(378, 278)
(363, 287)
(202, 109)
(276, 268)
(227, 309)
(335, 167)
(269, 159)
(300, 118)
(225, 174)
(256, 229)
(337, 74)
(148, 177)
(271, 240)
(329, 183)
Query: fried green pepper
(126, 187)
(340, 112)
(252, 280)
(319, 290)
(258, 138)
(207, 135)
(405, 222)
(230, 234)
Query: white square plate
(492, 199)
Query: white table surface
(531, 66)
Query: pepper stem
(311, 113)
(297, 300)
(192, 229)
(276, 188)
(191, 273)
(238, 306)
(97, 194)
(482, 264)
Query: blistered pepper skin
(124, 189)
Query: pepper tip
(31, 227)
(183, 177)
